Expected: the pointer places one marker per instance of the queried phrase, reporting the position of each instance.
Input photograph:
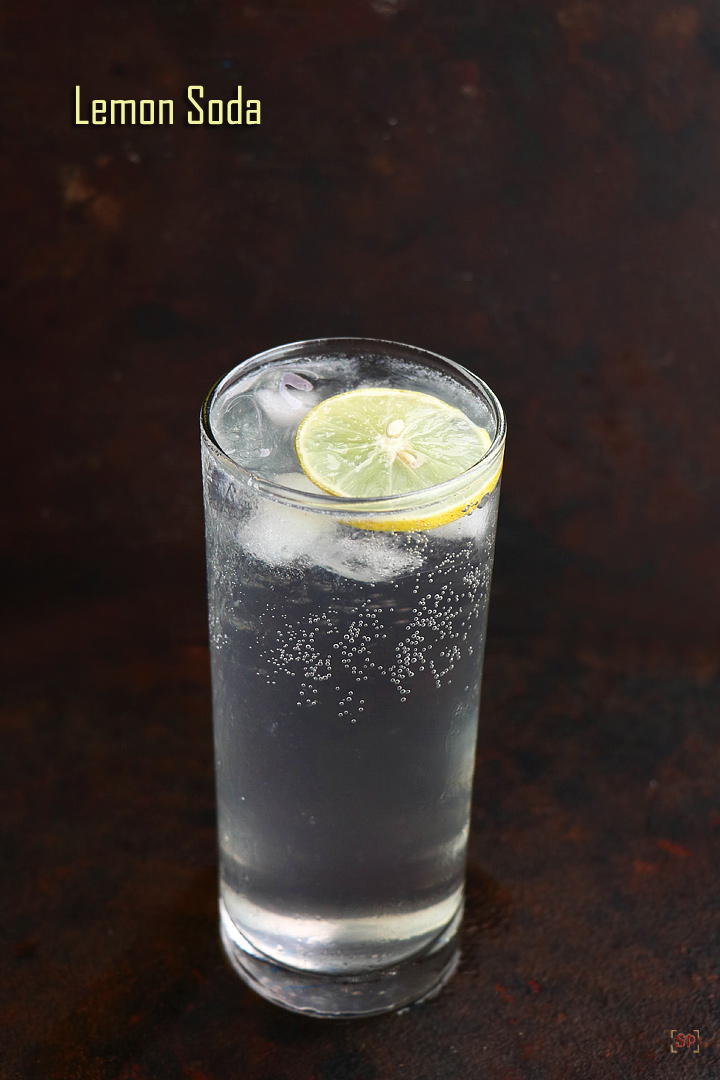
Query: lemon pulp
(378, 441)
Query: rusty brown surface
(531, 188)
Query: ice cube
(298, 481)
(284, 406)
(279, 535)
(364, 555)
(470, 526)
(243, 431)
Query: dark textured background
(530, 188)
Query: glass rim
(421, 500)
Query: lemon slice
(377, 442)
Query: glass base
(415, 979)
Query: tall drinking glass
(347, 639)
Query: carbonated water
(346, 682)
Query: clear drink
(346, 669)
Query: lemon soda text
(149, 111)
